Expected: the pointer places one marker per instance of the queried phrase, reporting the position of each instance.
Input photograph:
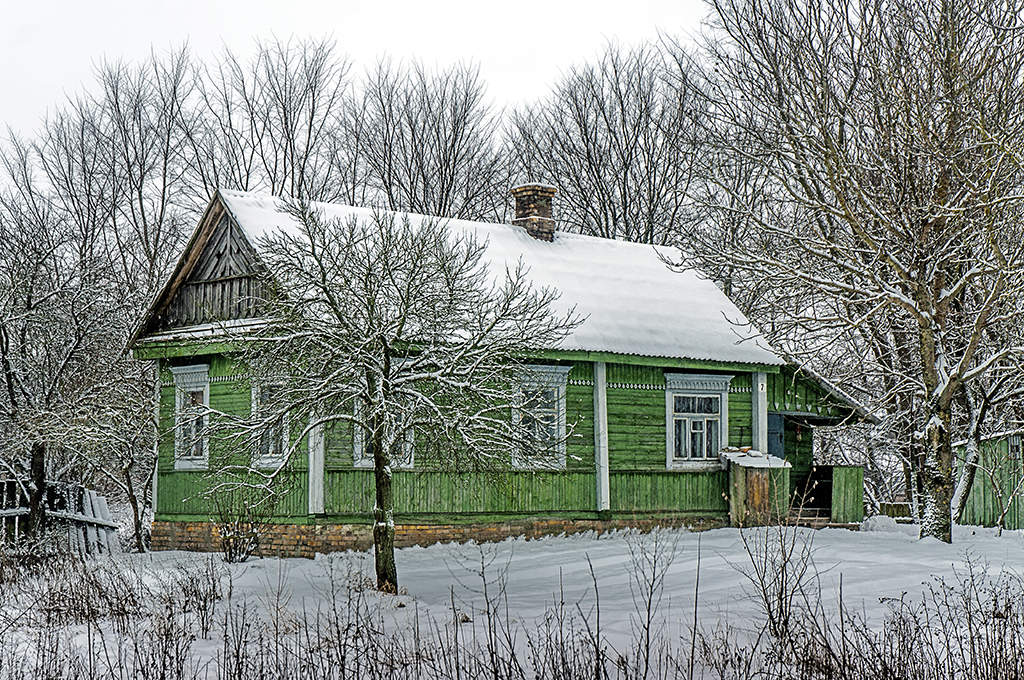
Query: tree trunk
(37, 499)
(966, 481)
(133, 502)
(383, 522)
(937, 475)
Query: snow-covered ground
(538, 574)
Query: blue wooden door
(775, 435)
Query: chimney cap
(535, 186)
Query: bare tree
(617, 139)
(428, 142)
(59, 338)
(396, 326)
(890, 136)
(272, 123)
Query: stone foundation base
(305, 540)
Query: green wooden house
(663, 375)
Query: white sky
(48, 48)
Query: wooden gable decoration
(218, 278)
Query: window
(696, 414)
(272, 447)
(191, 414)
(542, 417)
(362, 447)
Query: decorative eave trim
(213, 379)
(697, 382)
(541, 374)
(195, 375)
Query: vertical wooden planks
(847, 494)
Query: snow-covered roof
(633, 302)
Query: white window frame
(361, 460)
(269, 461)
(695, 385)
(190, 379)
(545, 376)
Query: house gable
(218, 278)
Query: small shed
(758, 487)
(996, 494)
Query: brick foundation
(305, 540)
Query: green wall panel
(636, 429)
(182, 493)
(847, 494)
(579, 416)
(669, 491)
(351, 492)
(788, 391)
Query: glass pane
(696, 443)
(195, 397)
(697, 426)
(540, 398)
(685, 404)
(713, 445)
(539, 418)
(679, 440)
(195, 434)
(707, 405)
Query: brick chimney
(533, 210)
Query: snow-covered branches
(887, 136)
(397, 328)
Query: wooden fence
(71, 508)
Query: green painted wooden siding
(182, 493)
(669, 491)
(983, 505)
(636, 428)
(847, 494)
(741, 430)
(637, 431)
(351, 492)
(579, 416)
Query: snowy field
(529, 582)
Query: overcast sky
(48, 48)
